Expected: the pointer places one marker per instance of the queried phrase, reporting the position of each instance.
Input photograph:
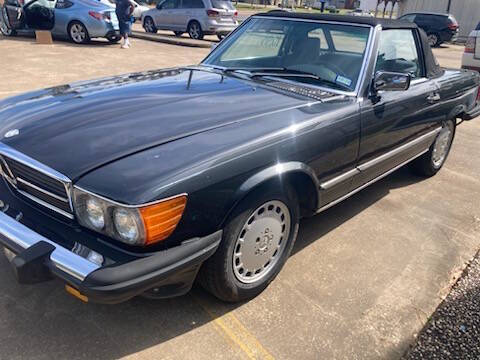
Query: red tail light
(96, 15)
(453, 26)
(470, 45)
(212, 13)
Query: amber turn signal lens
(161, 219)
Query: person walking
(124, 13)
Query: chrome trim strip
(47, 205)
(113, 202)
(25, 182)
(63, 259)
(335, 202)
(339, 179)
(398, 150)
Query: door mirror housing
(391, 81)
(159, 6)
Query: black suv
(439, 27)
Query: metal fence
(467, 12)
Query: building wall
(467, 12)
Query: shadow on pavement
(42, 321)
(94, 43)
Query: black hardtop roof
(427, 13)
(361, 20)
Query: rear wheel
(78, 33)
(433, 40)
(149, 25)
(178, 33)
(220, 37)
(257, 240)
(432, 161)
(195, 30)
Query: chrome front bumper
(17, 238)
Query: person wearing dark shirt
(124, 12)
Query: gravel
(453, 332)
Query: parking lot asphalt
(362, 280)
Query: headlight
(95, 213)
(134, 225)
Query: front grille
(37, 186)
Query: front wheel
(78, 33)
(257, 241)
(5, 30)
(433, 40)
(432, 161)
(220, 37)
(195, 30)
(149, 25)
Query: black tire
(433, 40)
(178, 33)
(220, 37)
(114, 38)
(426, 165)
(217, 274)
(195, 30)
(149, 25)
(78, 27)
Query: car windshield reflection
(318, 53)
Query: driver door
(163, 16)
(13, 15)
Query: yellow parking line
(237, 333)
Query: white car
(471, 55)
(196, 17)
(137, 12)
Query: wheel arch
(297, 174)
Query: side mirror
(391, 81)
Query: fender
(277, 171)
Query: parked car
(140, 7)
(77, 20)
(439, 27)
(471, 55)
(284, 119)
(196, 17)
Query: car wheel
(178, 33)
(257, 240)
(78, 33)
(149, 25)
(195, 30)
(113, 39)
(220, 37)
(432, 161)
(433, 40)
(5, 30)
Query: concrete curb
(171, 40)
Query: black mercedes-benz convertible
(140, 184)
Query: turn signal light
(160, 220)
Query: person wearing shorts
(124, 12)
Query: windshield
(330, 52)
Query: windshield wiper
(302, 74)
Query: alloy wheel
(4, 29)
(194, 30)
(432, 40)
(149, 26)
(261, 242)
(78, 33)
(442, 145)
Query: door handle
(433, 98)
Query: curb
(171, 41)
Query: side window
(192, 4)
(12, 3)
(397, 52)
(347, 42)
(169, 4)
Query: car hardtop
(428, 13)
(347, 19)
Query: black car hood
(79, 127)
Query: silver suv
(197, 17)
